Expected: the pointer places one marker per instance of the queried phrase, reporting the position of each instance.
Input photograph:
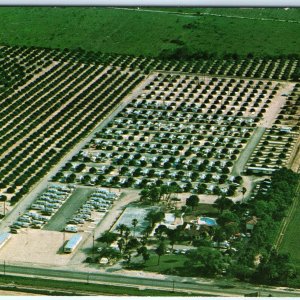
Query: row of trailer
(101, 200)
(50, 201)
(43, 208)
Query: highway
(170, 283)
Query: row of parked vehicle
(100, 200)
(29, 219)
(52, 199)
(43, 208)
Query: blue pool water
(209, 221)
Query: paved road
(246, 153)
(220, 288)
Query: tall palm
(134, 223)
(121, 228)
(244, 190)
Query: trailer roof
(73, 241)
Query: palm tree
(121, 228)
(244, 190)
(121, 244)
(126, 234)
(134, 222)
(160, 251)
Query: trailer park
(200, 136)
(123, 168)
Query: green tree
(227, 217)
(108, 237)
(121, 228)
(121, 244)
(192, 201)
(146, 256)
(275, 268)
(205, 260)
(155, 216)
(223, 203)
(173, 236)
(110, 253)
(160, 251)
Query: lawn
(139, 32)
(167, 262)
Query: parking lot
(43, 208)
(91, 210)
(60, 219)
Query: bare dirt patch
(42, 247)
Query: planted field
(45, 115)
(263, 14)
(91, 28)
(291, 241)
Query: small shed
(251, 223)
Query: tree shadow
(170, 260)
(135, 266)
(61, 249)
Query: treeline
(251, 256)
(184, 53)
(257, 260)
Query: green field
(140, 32)
(291, 240)
(257, 13)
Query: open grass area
(291, 240)
(123, 31)
(167, 262)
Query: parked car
(71, 228)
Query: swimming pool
(208, 221)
